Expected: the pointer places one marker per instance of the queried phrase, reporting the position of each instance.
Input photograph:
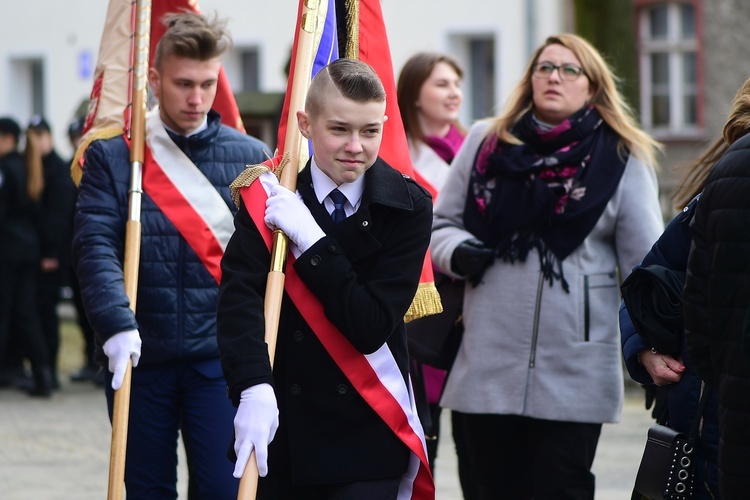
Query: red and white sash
(376, 376)
(185, 196)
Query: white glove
(255, 426)
(120, 348)
(286, 210)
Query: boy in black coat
(341, 340)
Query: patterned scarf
(546, 193)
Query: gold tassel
(251, 173)
(426, 302)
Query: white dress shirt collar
(323, 185)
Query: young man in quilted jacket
(186, 215)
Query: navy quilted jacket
(176, 301)
(671, 251)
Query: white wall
(60, 33)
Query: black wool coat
(717, 307)
(365, 272)
(58, 202)
(19, 215)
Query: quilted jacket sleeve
(99, 235)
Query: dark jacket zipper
(537, 312)
(586, 311)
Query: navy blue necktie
(339, 200)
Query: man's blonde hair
(192, 36)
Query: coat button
(295, 390)
(315, 260)
(365, 223)
(333, 248)
(298, 336)
(342, 389)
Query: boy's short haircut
(192, 36)
(349, 78)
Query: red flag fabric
(374, 49)
(326, 50)
(370, 37)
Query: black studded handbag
(666, 469)
(668, 464)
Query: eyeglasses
(567, 72)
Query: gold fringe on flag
(252, 172)
(76, 170)
(352, 29)
(426, 302)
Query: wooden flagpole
(311, 22)
(121, 409)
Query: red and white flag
(368, 37)
(109, 110)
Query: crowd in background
(37, 202)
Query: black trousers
(48, 296)
(382, 489)
(278, 484)
(523, 458)
(19, 317)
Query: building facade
(693, 57)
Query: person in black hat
(57, 205)
(20, 190)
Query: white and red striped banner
(186, 196)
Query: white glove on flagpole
(119, 348)
(286, 210)
(255, 426)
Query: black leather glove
(471, 258)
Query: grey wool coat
(532, 349)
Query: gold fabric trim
(252, 172)
(426, 302)
(352, 29)
(76, 172)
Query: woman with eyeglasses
(545, 209)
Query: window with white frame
(27, 87)
(476, 54)
(668, 67)
(250, 69)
